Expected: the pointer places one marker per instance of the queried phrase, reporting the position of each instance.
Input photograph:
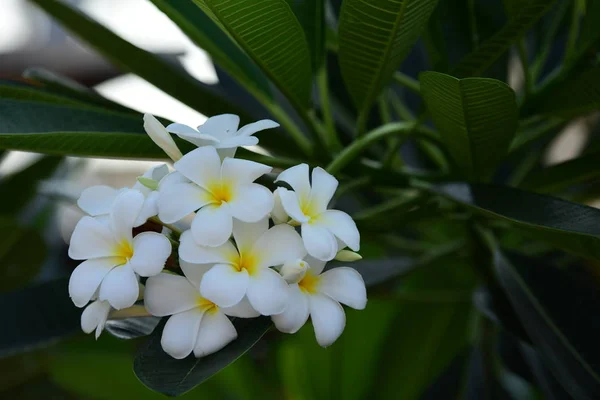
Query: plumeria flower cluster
(205, 242)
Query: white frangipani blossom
(161, 137)
(196, 324)
(307, 205)
(221, 132)
(319, 295)
(94, 317)
(219, 191)
(114, 258)
(244, 271)
(278, 214)
(97, 200)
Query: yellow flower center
(309, 283)
(221, 192)
(124, 250)
(247, 261)
(206, 305)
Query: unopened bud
(159, 135)
(294, 271)
(149, 183)
(347, 256)
(278, 214)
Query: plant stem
(573, 34)
(403, 112)
(523, 56)
(289, 125)
(540, 61)
(170, 226)
(331, 139)
(408, 82)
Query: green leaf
(160, 73)
(478, 61)
(477, 118)
(38, 316)
(311, 15)
(18, 263)
(204, 32)
(569, 226)
(163, 373)
(563, 327)
(559, 177)
(31, 93)
(375, 37)
(272, 36)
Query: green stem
(408, 82)
(573, 34)
(548, 42)
(290, 126)
(527, 137)
(405, 201)
(523, 56)
(403, 112)
(170, 226)
(361, 122)
(352, 151)
(330, 135)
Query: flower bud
(161, 137)
(149, 183)
(347, 256)
(278, 214)
(294, 271)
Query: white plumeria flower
(307, 205)
(235, 273)
(219, 191)
(94, 317)
(319, 295)
(161, 137)
(278, 214)
(196, 324)
(221, 132)
(114, 257)
(97, 200)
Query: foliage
(468, 237)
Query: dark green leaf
(375, 37)
(162, 74)
(559, 177)
(570, 226)
(31, 93)
(272, 36)
(163, 373)
(203, 31)
(311, 15)
(563, 327)
(375, 272)
(477, 62)
(38, 316)
(22, 253)
(496, 307)
(477, 118)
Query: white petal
(91, 239)
(179, 200)
(316, 266)
(243, 309)
(150, 253)
(327, 317)
(212, 225)
(251, 203)
(168, 294)
(267, 292)
(97, 200)
(278, 213)
(180, 333)
(171, 179)
(202, 166)
(342, 226)
(236, 171)
(216, 332)
(295, 314)
(291, 205)
(192, 252)
(277, 245)
(344, 285)
(198, 139)
(237, 141)
(251, 129)
(149, 209)
(194, 272)
(323, 188)
(224, 285)
(124, 212)
(158, 172)
(319, 242)
(178, 128)
(220, 126)
(120, 287)
(86, 278)
(226, 152)
(161, 137)
(247, 233)
(297, 178)
(94, 317)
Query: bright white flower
(221, 132)
(97, 200)
(319, 295)
(196, 324)
(94, 317)
(161, 137)
(307, 205)
(219, 191)
(294, 270)
(245, 271)
(114, 258)
(278, 214)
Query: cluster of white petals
(242, 256)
